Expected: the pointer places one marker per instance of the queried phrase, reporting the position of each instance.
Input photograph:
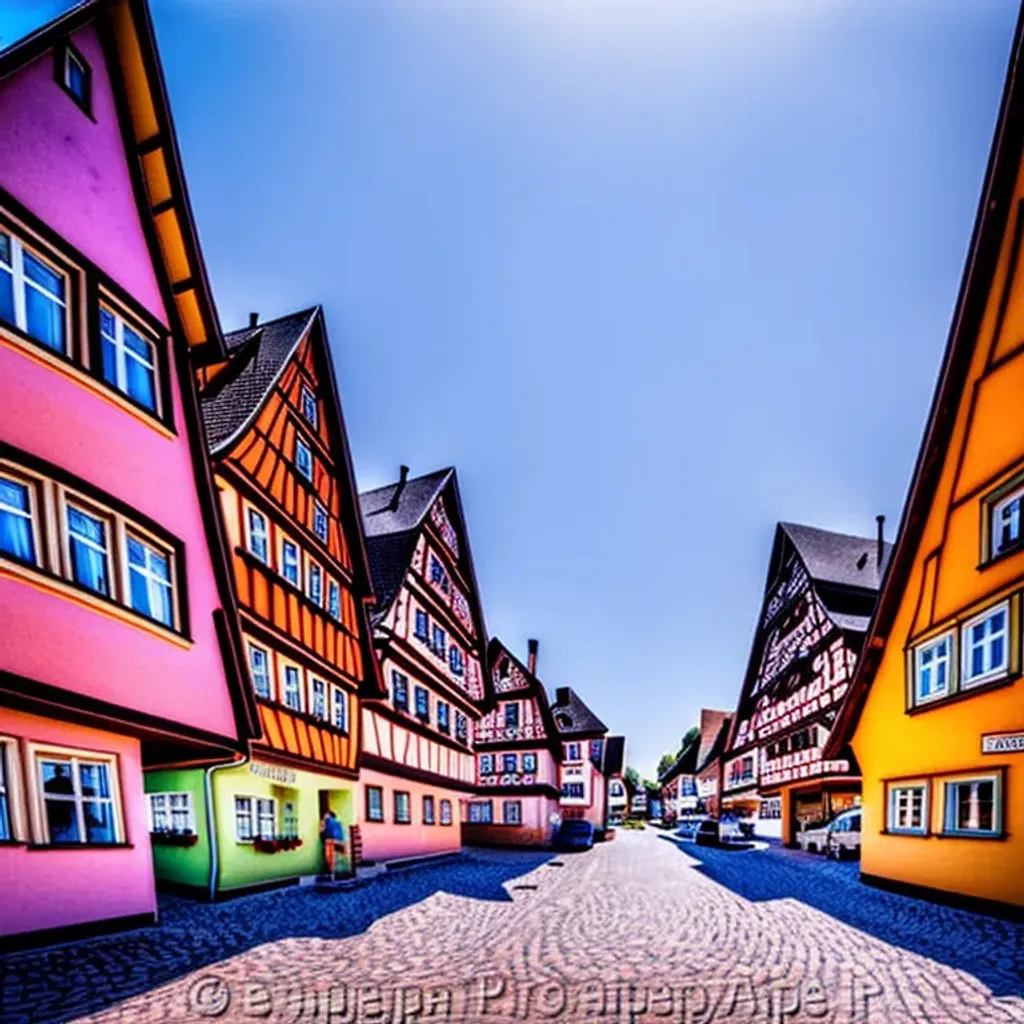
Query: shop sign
(1003, 743)
(273, 772)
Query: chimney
(562, 695)
(881, 540)
(531, 664)
(403, 476)
(254, 319)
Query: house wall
(59, 887)
(540, 815)
(183, 865)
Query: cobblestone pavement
(637, 929)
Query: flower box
(173, 838)
(276, 845)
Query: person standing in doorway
(333, 836)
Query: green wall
(183, 865)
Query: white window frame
(285, 690)
(486, 764)
(949, 827)
(11, 787)
(506, 805)
(247, 802)
(407, 820)
(286, 818)
(284, 562)
(326, 693)
(334, 599)
(86, 509)
(37, 754)
(444, 811)
(967, 681)
(339, 699)
(305, 394)
(31, 485)
(430, 819)
(20, 282)
(320, 512)
(303, 455)
(71, 57)
(263, 533)
(268, 674)
(153, 580)
(260, 815)
(569, 748)
(167, 798)
(949, 637)
(379, 791)
(996, 512)
(314, 570)
(891, 824)
(122, 354)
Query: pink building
(583, 748)
(517, 757)
(121, 645)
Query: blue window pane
(977, 661)
(133, 343)
(99, 822)
(997, 622)
(109, 361)
(5, 809)
(941, 676)
(75, 79)
(15, 530)
(62, 821)
(89, 567)
(41, 274)
(136, 553)
(996, 651)
(94, 780)
(6, 295)
(140, 383)
(44, 319)
(107, 324)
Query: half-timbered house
(518, 753)
(283, 470)
(583, 746)
(418, 769)
(616, 800)
(709, 769)
(820, 592)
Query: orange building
(936, 713)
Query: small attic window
(74, 75)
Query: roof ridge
(410, 480)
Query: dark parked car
(575, 835)
(707, 832)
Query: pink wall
(53, 888)
(71, 173)
(387, 840)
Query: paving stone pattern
(641, 928)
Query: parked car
(706, 833)
(687, 827)
(575, 834)
(812, 836)
(843, 838)
(731, 829)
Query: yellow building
(936, 711)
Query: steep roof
(990, 225)
(718, 747)
(257, 357)
(838, 558)
(614, 755)
(710, 724)
(578, 718)
(684, 764)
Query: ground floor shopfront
(74, 842)
(787, 810)
(230, 828)
(512, 816)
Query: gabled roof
(718, 747)
(838, 558)
(257, 357)
(990, 226)
(495, 649)
(614, 755)
(573, 717)
(684, 764)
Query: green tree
(633, 778)
(692, 735)
(666, 762)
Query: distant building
(583, 740)
(615, 785)
(679, 783)
(709, 769)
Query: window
(512, 715)
(446, 812)
(509, 763)
(400, 691)
(512, 812)
(318, 699)
(16, 527)
(266, 818)
(438, 641)
(486, 764)
(333, 600)
(374, 803)
(461, 728)
(908, 809)
(88, 542)
(6, 817)
(985, 647)
(290, 819)
(422, 704)
(481, 812)
(309, 410)
(291, 691)
(1006, 516)
(129, 360)
(303, 458)
(32, 294)
(421, 625)
(529, 764)
(443, 716)
(290, 562)
(455, 662)
(596, 751)
(149, 578)
(572, 752)
(402, 812)
(932, 669)
(320, 521)
(438, 576)
(171, 812)
(75, 75)
(573, 790)
(428, 810)
(78, 799)
(259, 666)
(340, 709)
(972, 806)
(243, 819)
(257, 535)
(315, 583)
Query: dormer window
(74, 75)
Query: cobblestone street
(636, 929)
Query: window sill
(54, 360)
(80, 846)
(12, 842)
(906, 833)
(46, 581)
(964, 693)
(1017, 549)
(989, 836)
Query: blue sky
(652, 276)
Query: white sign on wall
(1003, 743)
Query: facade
(936, 716)
(417, 766)
(583, 748)
(819, 595)
(616, 797)
(679, 785)
(283, 471)
(709, 768)
(113, 576)
(518, 754)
